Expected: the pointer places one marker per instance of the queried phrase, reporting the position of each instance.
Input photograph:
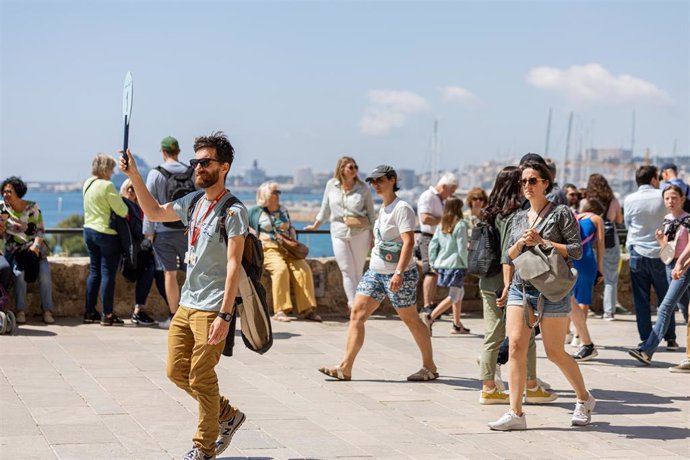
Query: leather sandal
(312, 316)
(282, 317)
(336, 373)
(423, 375)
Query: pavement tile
(59, 398)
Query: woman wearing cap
(392, 273)
(348, 205)
(271, 220)
(23, 233)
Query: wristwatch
(225, 316)
(398, 272)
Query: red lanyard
(196, 229)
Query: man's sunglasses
(530, 181)
(204, 162)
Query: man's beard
(208, 179)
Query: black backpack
(177, 185)
(253, 264)
(484, 256)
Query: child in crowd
(448, 257)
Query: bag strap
(89, 186)
(526, 305)
(167, 174)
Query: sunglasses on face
(204, 162)
(351, 166)
(276, 192)
(7, 192)
(530, 181)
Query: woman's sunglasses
(276, 192)
(530, 181)
(351, 166)
(204, 162)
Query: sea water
(57, 206)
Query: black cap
(668, 165)
(532, 157)
(380, 171)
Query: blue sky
(301, 83)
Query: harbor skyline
(301, 83)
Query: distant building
(254, 176)
(407, 178)
(304, 177)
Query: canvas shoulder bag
(549, 274)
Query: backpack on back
(251, 303)
(177, 185)
(484, 255)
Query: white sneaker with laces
(582, 414)
(509, 421)
(575, 343)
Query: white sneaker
(228, 429)
(576, 343)
(582, 414)
(568, 337)
(499, 380)
(509, 421)
(165, 324)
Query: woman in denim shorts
(392, 273)
(554, 228)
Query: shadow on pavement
(657, 432)
(24, 331)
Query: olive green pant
(191, 366)
(494, 333)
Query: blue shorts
(376, 286)
(551, 309)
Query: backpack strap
(167, 174)
(192, 205)
(230, 202)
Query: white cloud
(458, 95)
(388, 109)
(593, 84)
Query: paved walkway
(87, 392)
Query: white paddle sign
(127, 96)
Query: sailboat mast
(548, 134)
(567, 148)
(434, 154)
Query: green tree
(71, 245)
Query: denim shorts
(376, 286)
(551, 309)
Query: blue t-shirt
(204, 287)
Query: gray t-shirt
(204, 287)
(155, 182)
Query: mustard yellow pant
(191, 366)
(285, 270)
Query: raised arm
(153, 210)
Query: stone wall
(70, 273)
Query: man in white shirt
(430, 211)
(644, 212)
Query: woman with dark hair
(504, 202)
(673, 239)
(554, 228)
(25, 248)
(598, 189)
(347, 204)
(392, 273)
(589, 272)
(100, 198)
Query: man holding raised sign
(200, 326)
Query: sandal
(282, 317)
(459, 329)
(336, 373)
(423, 375)
(312, 316)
